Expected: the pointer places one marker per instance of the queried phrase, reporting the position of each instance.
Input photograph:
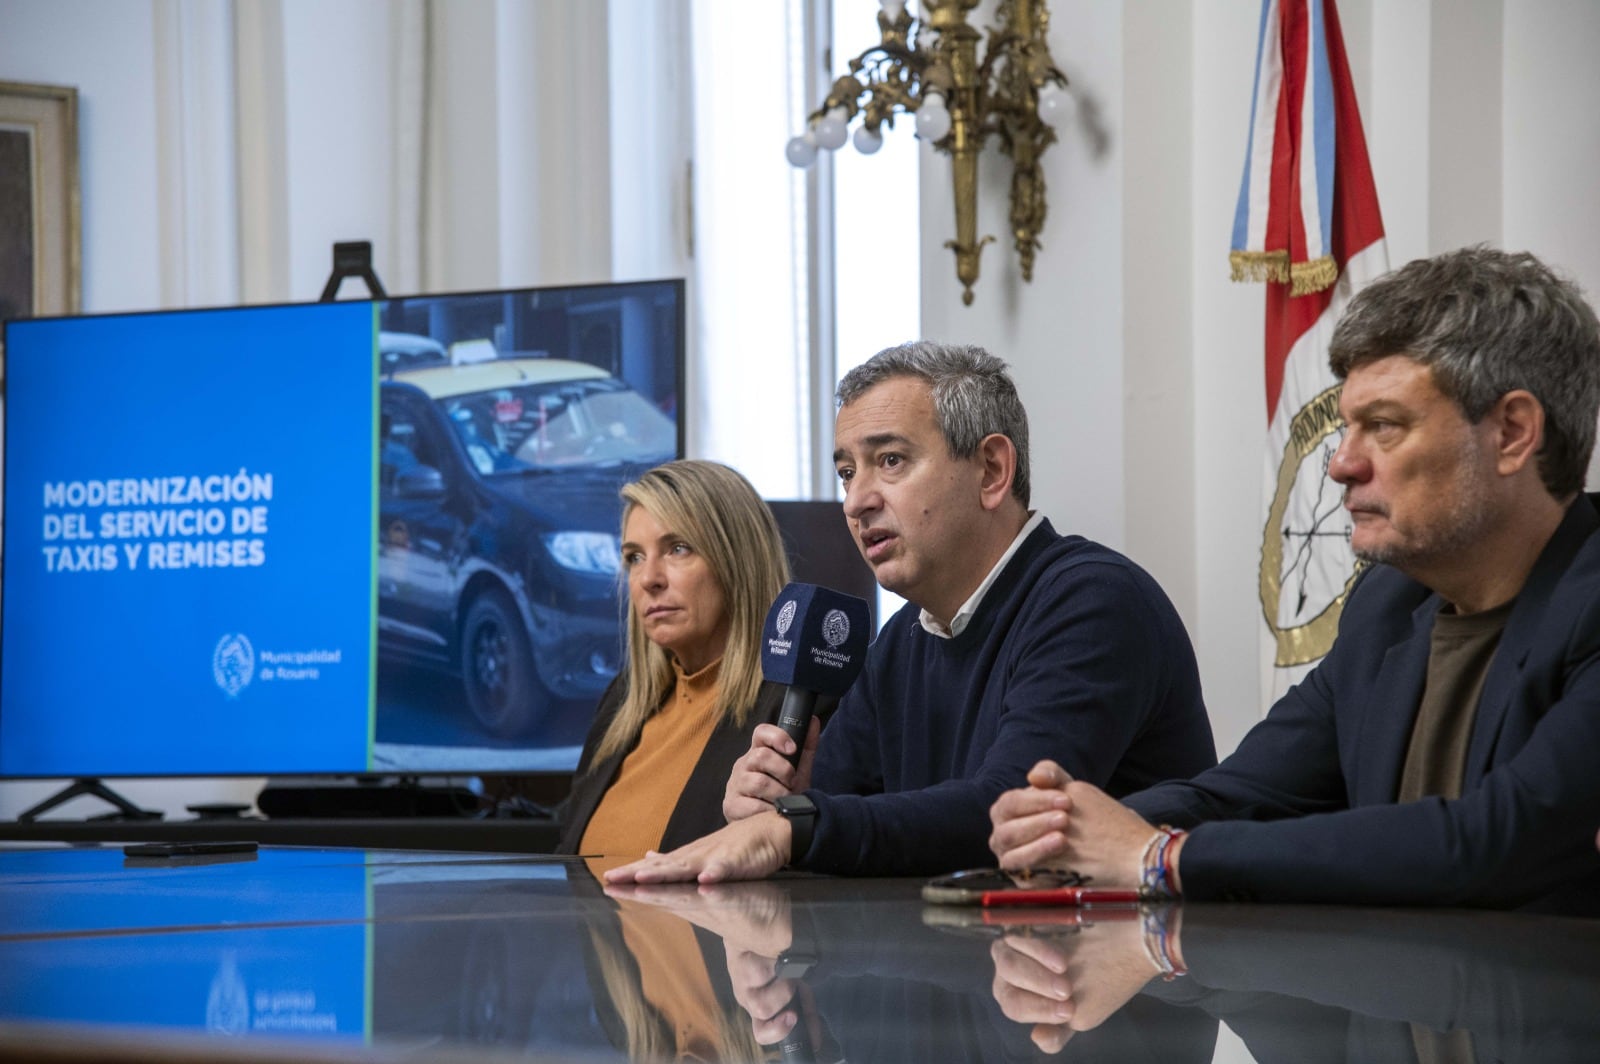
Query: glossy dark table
(311, 954)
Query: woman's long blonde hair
(719, 514)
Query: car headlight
(585, 552)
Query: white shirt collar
(958, 623)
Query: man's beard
(1462, 525)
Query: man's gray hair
(1488, 322)
(973, 396)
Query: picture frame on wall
(40, 239)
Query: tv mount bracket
(352, 258)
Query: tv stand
(367, 797)
(125, 809)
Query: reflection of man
(1365, 983)
(1073, 981)
(1016, 641)
(1446, 750)
(866, 978)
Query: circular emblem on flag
(835, 627)
(1307, 566)
(786, 618)
(233, 663)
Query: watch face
(795, 805)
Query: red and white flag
(1308, 225)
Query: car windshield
(560, 425)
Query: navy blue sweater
(1074, 654)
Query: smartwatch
(801, 813)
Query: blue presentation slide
(189, 521)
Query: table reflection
(1309, 983)
(1399, 984)
(872, 980)
(199, 942)
(346, 954)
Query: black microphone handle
(809, 1041)
(795, 717)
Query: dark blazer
(699, 808)
(1305, 809)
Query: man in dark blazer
(1447, 750)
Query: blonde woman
(703, 562)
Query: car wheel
(497, 665)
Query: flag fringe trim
(1259, 266)
(1313, 276)
(1303, 278)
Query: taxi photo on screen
(507, 424)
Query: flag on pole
(1308, 225)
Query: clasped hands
(1069, 983)
(1059, 821)
(1073, 978)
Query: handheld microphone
(809, 1041)
(814, 643)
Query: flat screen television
(348, 538)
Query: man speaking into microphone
(1015, 640)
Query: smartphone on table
(990, 887)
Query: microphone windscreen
(815, 639)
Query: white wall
(1550, 135)
(114, 71)
(1139, 361)
(1062, 333)
(1230, 417)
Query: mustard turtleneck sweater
(633, 815)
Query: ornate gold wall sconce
(929, 67)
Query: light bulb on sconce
(933, 118)
(867, 140)
(801, 151)
(833, 129)
(1056, 104)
